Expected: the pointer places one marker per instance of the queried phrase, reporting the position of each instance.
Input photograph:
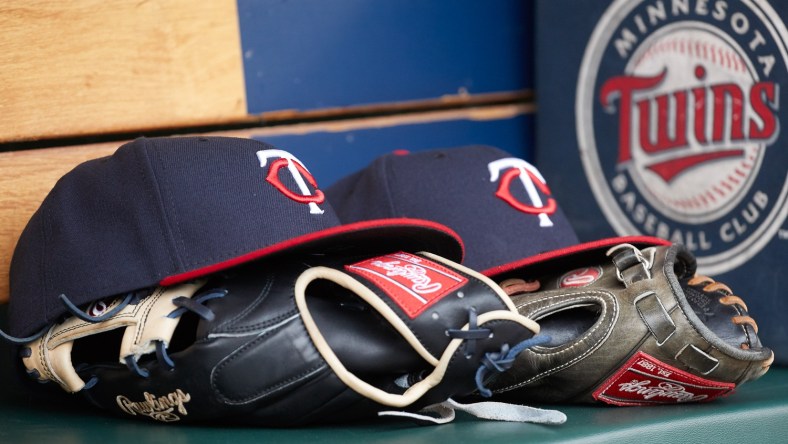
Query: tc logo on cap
(530, 178)
(299, 173)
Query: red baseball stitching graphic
(716, 55)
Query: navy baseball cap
(166, 210)
(500, 205)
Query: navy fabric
(458, 187)
(164, 210)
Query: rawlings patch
(580, 277)
(644, 380)
(412, 282)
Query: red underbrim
(639, 241)
(379, 236)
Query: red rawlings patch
(644, 380)
(412, 282)
(580, 277)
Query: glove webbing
(632, 267)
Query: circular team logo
(678, 121)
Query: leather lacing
(518, 286)
(732, 300)
(729, 299)
(492, 362)
(183, 304)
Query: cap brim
(372, 236)
(579, 250)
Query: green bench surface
(755, 412)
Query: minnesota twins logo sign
(679, 108)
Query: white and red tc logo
(298, 172)
(506, 170)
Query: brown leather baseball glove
(628, 326)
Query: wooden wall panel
(72, 68)
(92, 67)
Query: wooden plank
(27, 176)
(95, 66)
(86, 67)
(25, 179)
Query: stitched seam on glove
(580, 357)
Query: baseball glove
(629, 326)
(289, 344)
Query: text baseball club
(735, 227)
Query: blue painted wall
(315, 54)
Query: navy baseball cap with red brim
(161, 211)
(499, 204)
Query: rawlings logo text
(160, 409)
(663, 390)
(422, 284)
(580, 277)
(644, 380)
(411, 282)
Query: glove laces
(471, 335)
(729, 299)
(499, 362)
(492, 362)
(184, 304)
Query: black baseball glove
(299, 342)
